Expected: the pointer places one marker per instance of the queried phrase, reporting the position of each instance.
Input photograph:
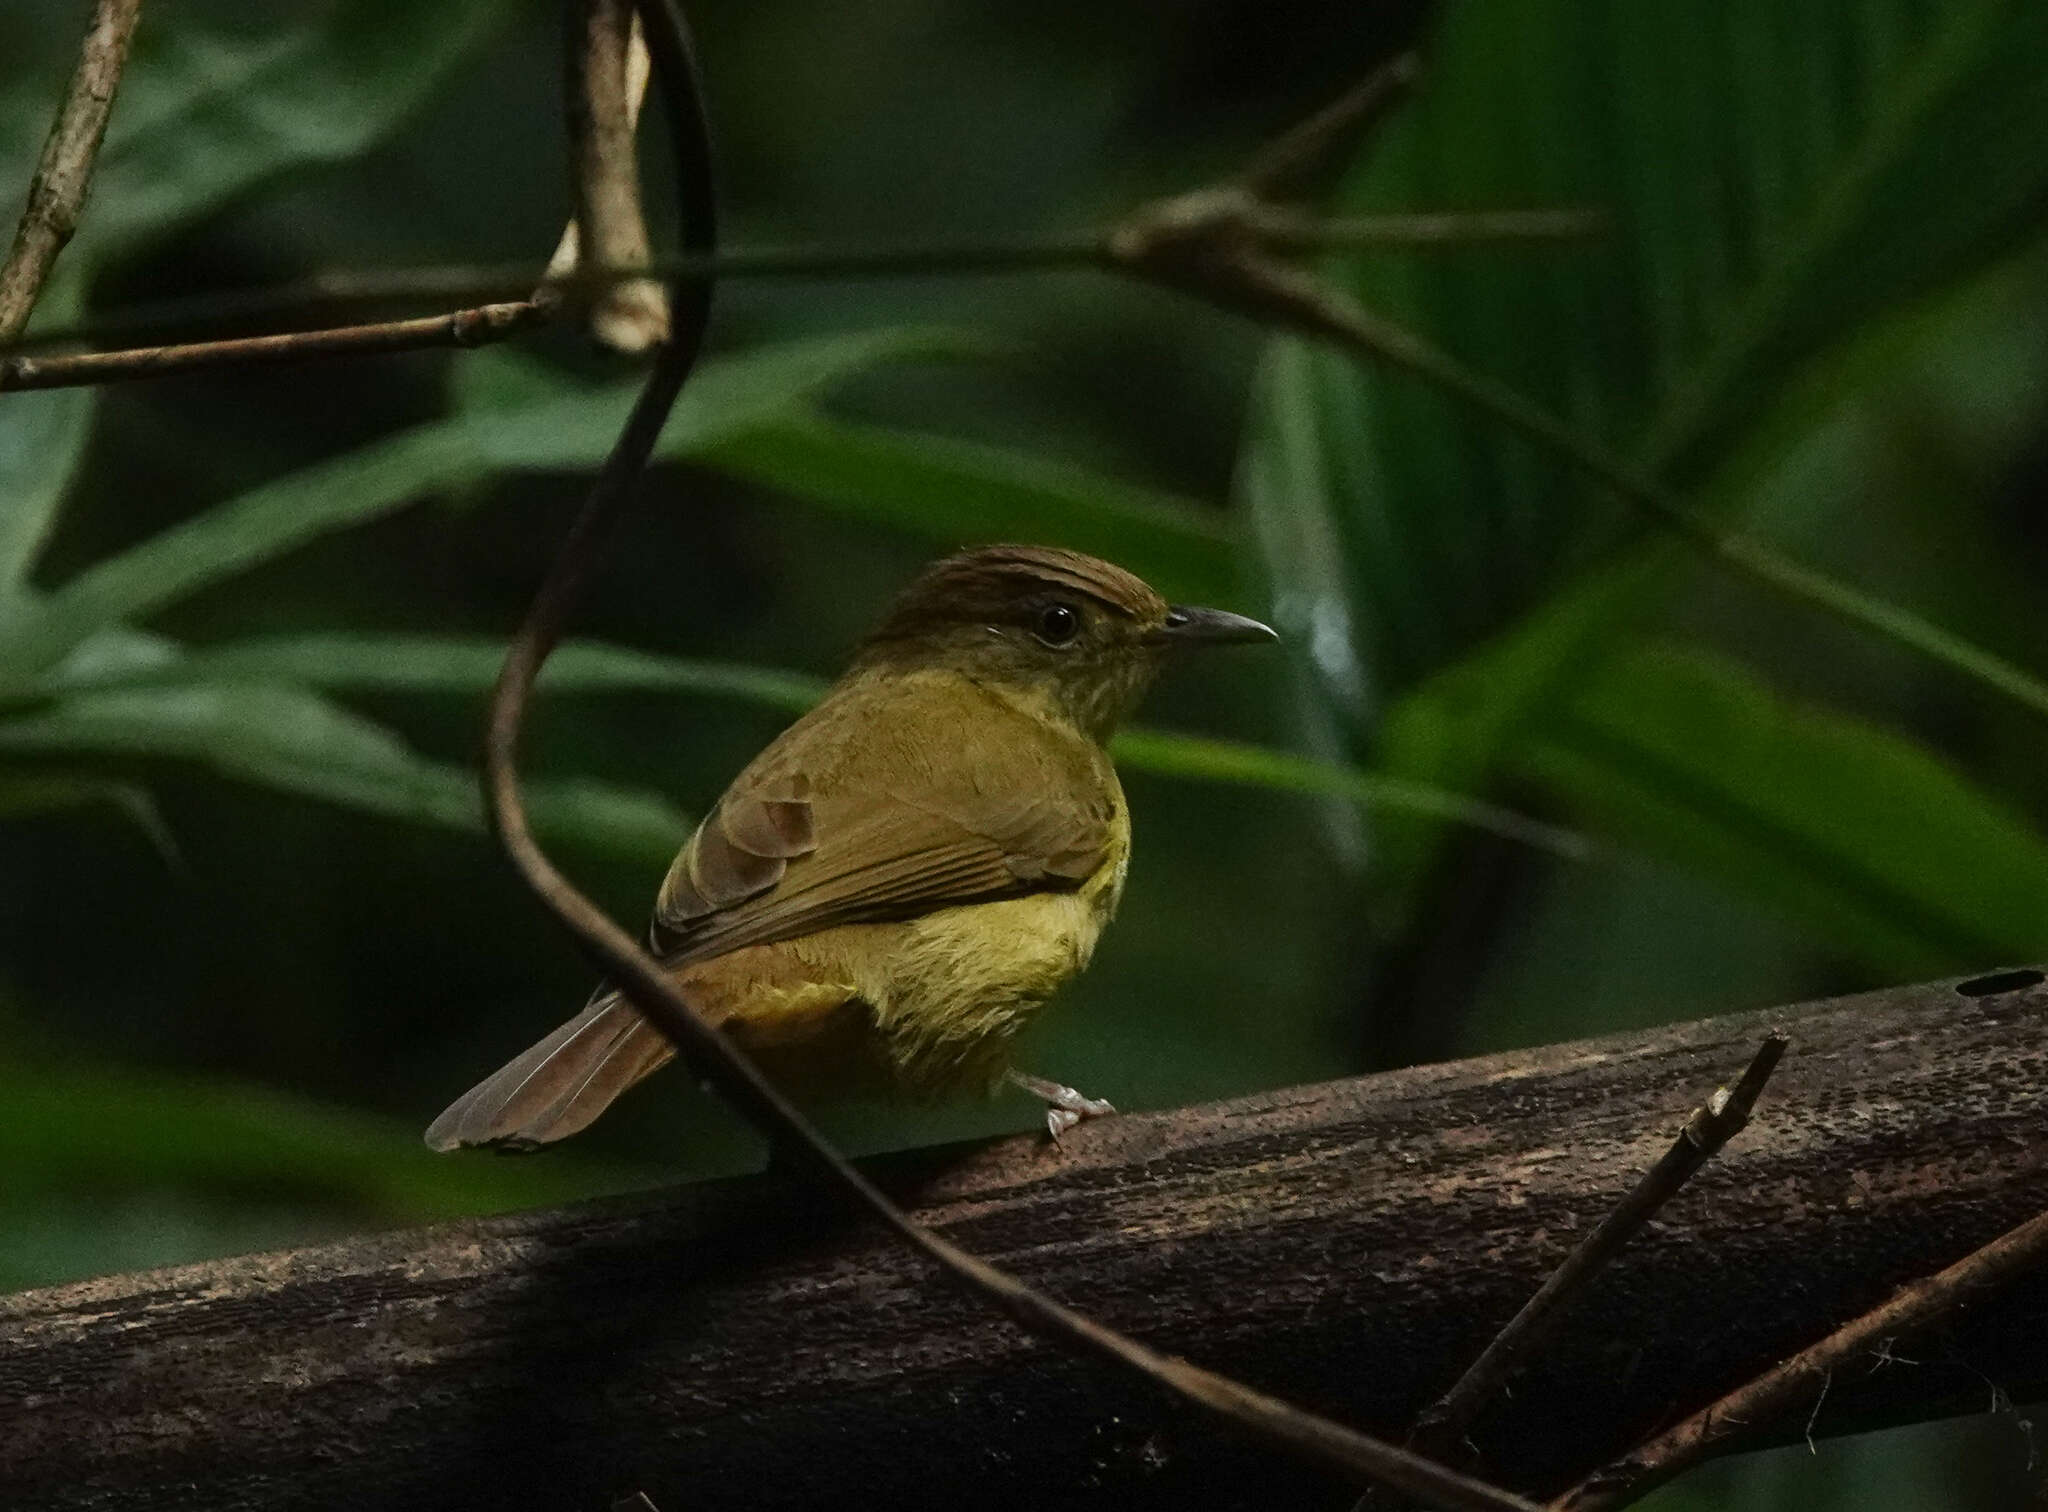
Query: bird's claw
(1064, 1107)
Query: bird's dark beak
(1188, 625)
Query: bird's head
(1079, 632)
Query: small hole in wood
(2001, 981)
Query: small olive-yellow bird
(909, 871)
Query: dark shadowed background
(251, 939)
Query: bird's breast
(956, 984)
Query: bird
(901, 879)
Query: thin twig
(607, 80)
(1285, 230)
(1711, 1126)
(460, 328)
(470, 327)
(713, 1055)
(1777, 1390)
(56, 195)
(1283, 164)
(472, 283)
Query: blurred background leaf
(1529, 770)
(213, 108)
(1450, 591)
(1826, 820)
(958, 492)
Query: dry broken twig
(1712, 1125)
(714, 1056)
(478, 326)
(606, 85)
(475, 283)
(56, 195)
(1752, 1407)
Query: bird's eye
(1057, 624)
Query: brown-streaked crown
(1007, 584)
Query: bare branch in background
(1752, 1408)
(1291, 160)
(56, 195)
(606, 85)
(1278, 229)
(473, 283)
(480, 326)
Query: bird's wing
(1008, 808)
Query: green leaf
(1859, 833)
(204, 117)
(522, 416)
(1243, 765)
(572, 430)
(25, 795)
(1769, 169)
(1454, 730)
(288, 739)
(1823, 447)
(959, 492)
(369, 662)
(1759, 161)
(42, 439)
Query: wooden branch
(1349, 1246)
(1805, 1377)
(56, 195)
(1716, 1121)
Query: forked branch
(1756, 1407)
(1716, 1121)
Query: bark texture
(1350, 1246)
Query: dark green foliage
(1537, 769)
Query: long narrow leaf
(959, 492)
(1244, 765)
(364, 662)
(293, 740)
(42, 438)
(1769, 169)
(1857, 832)
(27, 794)
(208, 116)
(572, 430)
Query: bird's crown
(1010, 584)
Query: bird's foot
(1064, 1107)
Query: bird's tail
(558, 1086)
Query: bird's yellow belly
(960, 982)
(931, 1001)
